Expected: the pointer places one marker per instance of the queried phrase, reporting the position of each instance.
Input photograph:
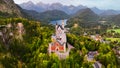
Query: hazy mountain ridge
(108, 12)
(41, 7)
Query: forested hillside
(83, 17)
(26, 50)
(9, 8)
(29, 49)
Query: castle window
(59, 38)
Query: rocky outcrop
(8, 6)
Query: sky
(102, 4)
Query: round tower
(63, 25)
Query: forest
(30, 49)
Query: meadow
(116, 30)
(113, 39)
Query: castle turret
(56, 25)
(63, 25)
(56, 28)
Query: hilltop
(9, 8)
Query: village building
(97, 37)
(90, 58)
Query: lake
(59, 22)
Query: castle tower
(63, 25)
(56, 26)
(61, 35)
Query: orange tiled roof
(57, 45)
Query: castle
(59, 40)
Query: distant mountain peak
(29, 2)
(40, 3)
(72, 6)
(56, 3)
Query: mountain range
(56, 11)
(9, 9)
(105, 12)
(41, 7)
